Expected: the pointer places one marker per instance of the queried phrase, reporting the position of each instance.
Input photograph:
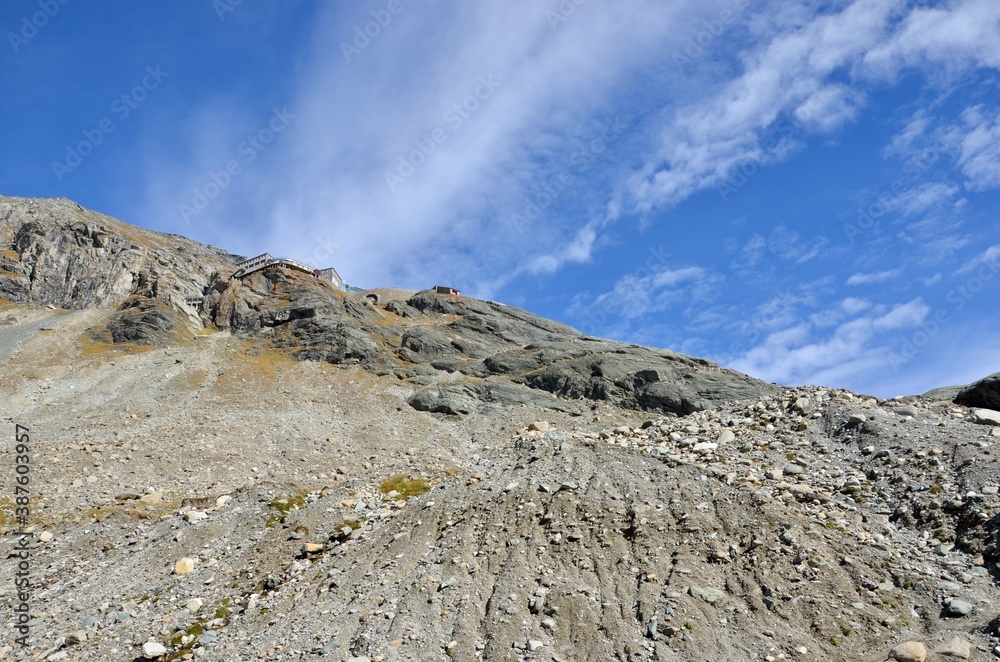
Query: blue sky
(805, 191)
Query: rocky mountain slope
(467, 351)
(271, 469)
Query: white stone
(153, 649)
(986, 416)
(184, 566)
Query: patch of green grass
(178, 641)
(289, 503)
(285, 505)
(405, 486)
(225, 608)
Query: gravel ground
(815, 524)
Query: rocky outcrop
(634, 376)
(948, 393)
(501, 343)
(58, 253)
(144, 321)
(469, 353)
(984, 393)
(300, 314)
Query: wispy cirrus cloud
(638, 295)
(990, 257)
(880, 277)
(977, 142)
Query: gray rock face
(57, 252)
(638, 377)
(494, 342)
(471, 353)
(984, 393)
(948, 393)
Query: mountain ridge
(68, 256)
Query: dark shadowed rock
(449, 399)
(984, 393)
(468, 397)
(144, 321)
(640, 377)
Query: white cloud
(914, 132)
(903, 315)
(838, 312)
(959, 35)
(648, 291)
(635, 295)
(924, 197)
(977, 140)
(806, 353)
(791, 247)
(880, 277)
(989, 258)
(829, 108)
(674, 277)
(752, 252)
(577, 251)
(853, 305)
(786, 73)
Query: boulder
(450, 399)
(985, 393)
(955, 647)
(184, 567)
(910, 651)
(986, 417)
